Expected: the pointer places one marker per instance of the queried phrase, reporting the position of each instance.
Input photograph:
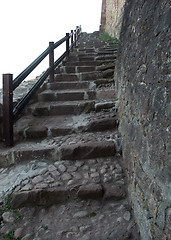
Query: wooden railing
(10, 113)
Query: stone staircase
(67, 155)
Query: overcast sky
(27, 27)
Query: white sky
(27, 27)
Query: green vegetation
(17, 214)
(10, 235)
(106, 37)
(45, 227)
(7, 207)
(7, 202)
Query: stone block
(114, 192)
(39, 197)
(61, 131)
(88, 150)
(92, 191)
(101, 125)
(35, 132)
(26, 154)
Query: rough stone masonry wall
(143, 82)
(111, 17)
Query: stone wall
(111, 17)
(0, 122)
(143, 77)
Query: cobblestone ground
(109, 216)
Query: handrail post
(67, 44)
(8, 109)
(72, 40)
(77, 32)
(51, 60)
(75, 38)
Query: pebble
(94, 175)
(84, 228)
(119, 220)
(51, 168)
(77, 176)
(62, 168)
(55, 174)
(18, 233)
(103, 170)
(79, 163)
(27, 187)
(70, 182)
(81, 214)
(41, 185)
(56, 184)
(127, 216)
(72, 168)
(93, 170)
(66, 177)
(8, 217)
(49, 180)
(37, 179)
(85, 168)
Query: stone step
(69, 85)
(106, 57)
(75, 69)
(97, 179)
(75, 94)
(87, 150)
(91, 85)
(76, 58)
(106, 52)
(95, 57)
(61, 108)
(67, 95)
(67, 147)
(81, 54)
(98, 51)
(40, 128)
(79, 76)
(88, 63)
(83, 69)
(47, 196)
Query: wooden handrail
(11, 113)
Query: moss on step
(106, 37)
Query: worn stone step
(47, 196)
(83, 69)
(79, 76)
(105, 67)
(25, 152)
(77, 58)
(106, 57)
(76, 94)
(40, 128)
(88, 63)
(69, 85)
(65, 147)
(62, 108)
(106, 52)
(67, 95)
(75, 69)
(91, 85)
(87, 150)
